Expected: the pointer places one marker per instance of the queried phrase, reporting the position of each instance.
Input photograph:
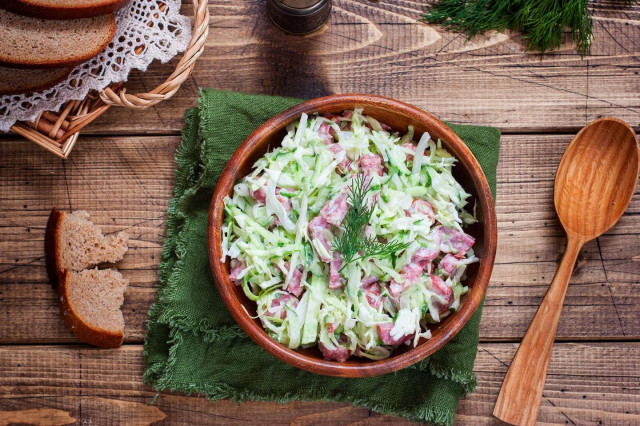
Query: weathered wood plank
(36, 416)
(129, 184)
(587, 383)
(380, 48)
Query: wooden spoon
(594, 184)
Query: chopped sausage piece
(337, 149)
(345, 120)
(259, 195)
(335, 209)
(384, 331)
(294, 287)
(410, 146)
(449, 263)
(373, 296)
(421, 207)
(372, 291)
(370, 164)
(236, 269)
(462, 242)
(317, 227)
(443, 292)
(410, 274)
(331, 117)
(425, 255)
(274, 223)
(277, 308)
(285, 201)
(420, 261)
(367, 281)
(455, 241)
(336, 280)
(338, 353)
(325, 133)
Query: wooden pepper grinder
(299, 16)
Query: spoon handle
(521, 392)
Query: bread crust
(28, 8)
(52, 246)
(79, 328)
(39, 86)
(70, 61)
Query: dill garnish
(541, 21)
(353, 241)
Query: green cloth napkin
(193, 344)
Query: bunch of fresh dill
(542, 22)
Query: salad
(350, 236)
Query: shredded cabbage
(281, 220)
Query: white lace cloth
(163, 34)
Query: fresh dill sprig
(542, 22)
(353, 244)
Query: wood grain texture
(587, 383)
(36, 416)
(594, 183)
(128, 186)
(379, 48)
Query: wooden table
(122, 172)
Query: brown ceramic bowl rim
(229, 177)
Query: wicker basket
(57, 132)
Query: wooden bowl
(398, 115)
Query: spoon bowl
(596, 178)
(595, 181)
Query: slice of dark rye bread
(19, 80)
(73, 242)
(90, 299)
(62, 9)
(45, 43)
(90, 303)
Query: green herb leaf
(308, 252)
(353, 244)
(541, 21)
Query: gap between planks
(571, 130)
